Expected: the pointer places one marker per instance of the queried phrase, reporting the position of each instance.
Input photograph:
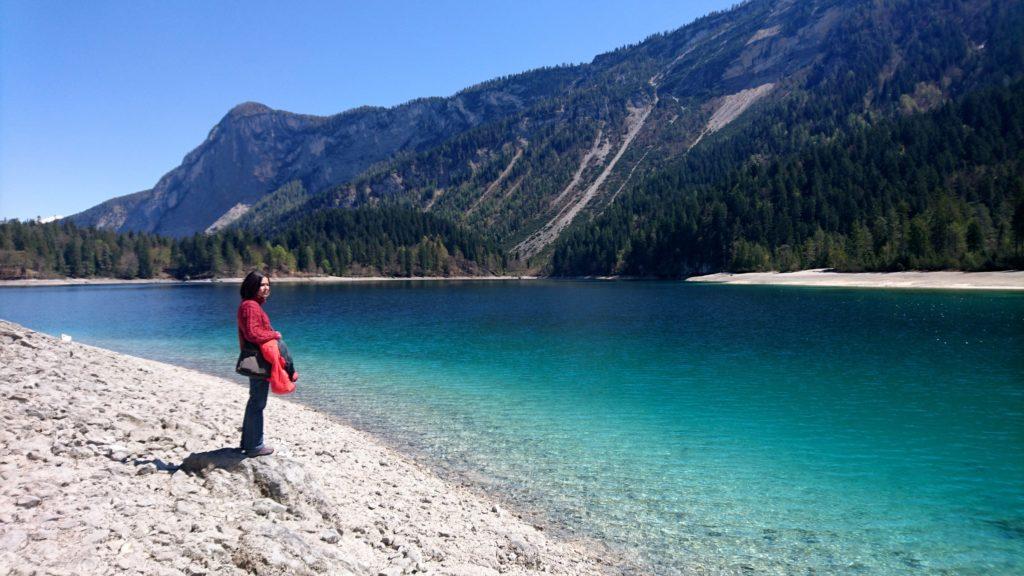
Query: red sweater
(253, 324)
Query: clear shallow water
(779, 430)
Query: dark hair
(251, 285)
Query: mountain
(254, 150)
(594, 168)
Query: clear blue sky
(100, 99)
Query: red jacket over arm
(254, 325)
(280, 383)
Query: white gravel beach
(112, 464)
(945, 280)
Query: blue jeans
(252, 424)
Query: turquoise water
(731, 428)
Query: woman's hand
(295, 376)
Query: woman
(254, 327)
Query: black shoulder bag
(251, 363)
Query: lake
(735, 429)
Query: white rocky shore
(942, 280)
(112, 464)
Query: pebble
(186, 509)
(265, 507)
(13, 540)
(330, 536)
(163, 555)
(28, 501)
(147, 468)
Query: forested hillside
(940, 190)
(393, 241)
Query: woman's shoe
(261, 451)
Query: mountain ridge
(251, 169)
(530, 158)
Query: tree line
(388, 241)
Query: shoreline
(822, 277)
(942, 280)
(166, 494)
(42, 282)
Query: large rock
(278, 478)
(285, 481)
(273, 549)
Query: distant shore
(944, 280)
(113, 462)
(277, 279)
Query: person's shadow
(161, 466)
(200, 462)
